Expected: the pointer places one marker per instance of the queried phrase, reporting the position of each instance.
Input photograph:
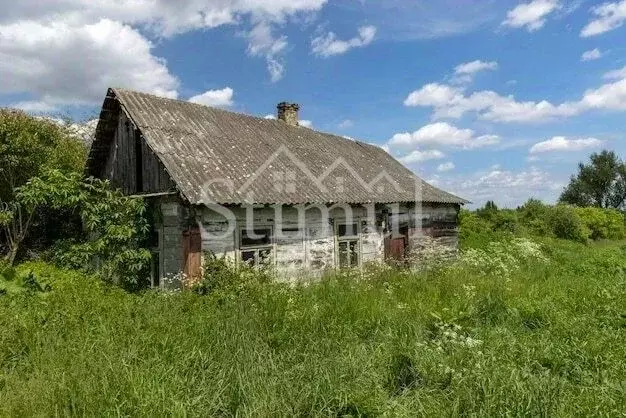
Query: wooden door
(192, 255)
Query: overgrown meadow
(516, 327)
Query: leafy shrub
(220, 275)
(534, 216)
(566, 224)
(505, 221)
(602, 223)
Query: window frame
(347, 239)
(257, 249)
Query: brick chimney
(288, 113)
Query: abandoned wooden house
(264, 191)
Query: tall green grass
(547, 340)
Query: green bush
(221, 276)
(566, 224)
(505, 221)
(603, 223)
(534, 216)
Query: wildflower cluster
(502, 258)
(451, 334)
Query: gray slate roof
(233, 158)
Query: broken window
(256, 246)
(348, 245)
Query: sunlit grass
(546, 340)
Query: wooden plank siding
(121, 166)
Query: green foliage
(115, 225)
(222, 277)
(534, 215)
(601, 183)
(474, 230)
(30, 146)
(545, 341)
(566, 224)
(603, 223)
(538, 219)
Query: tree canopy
(600, 183)
(30, 146)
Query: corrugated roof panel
(204, 148)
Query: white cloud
(591, 55)
(475, 66)
(328, 45)
(616, 74)
(60, 64)
(269, 117)
(452, 102)
(345, 124)
(34, 106)
(561, 143)
(63, 52)
(464, 73)
(165, 17)
(263, 43)
(531, 15)
(418, 156)
(217, 98)
(608, 16)
(442, 134)
(506, 187)
(442, 168)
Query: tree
(601, 183)
(115, 225)
(29, 147)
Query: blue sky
(489, 99)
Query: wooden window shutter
(192, 255)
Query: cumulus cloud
(453, 102)
(561, 143)
(464, 73)
(607, 17)
(418, 156)
(165, 17)
(506, 187)
(263, 43)
(63, 52)
(217, 98)
(616, 74)
(62, 64)
(591, 55)
(531, 16)
(442, 168)
(328, 45)
(442, 134)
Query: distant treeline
(536, 218)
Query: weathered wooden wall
(121, 163)
(300, 253)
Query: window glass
(348, 253)
(256, 237)
(348, 230)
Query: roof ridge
(219, 109)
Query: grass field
(507, 331)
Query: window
(256, 246)
(348, 245)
